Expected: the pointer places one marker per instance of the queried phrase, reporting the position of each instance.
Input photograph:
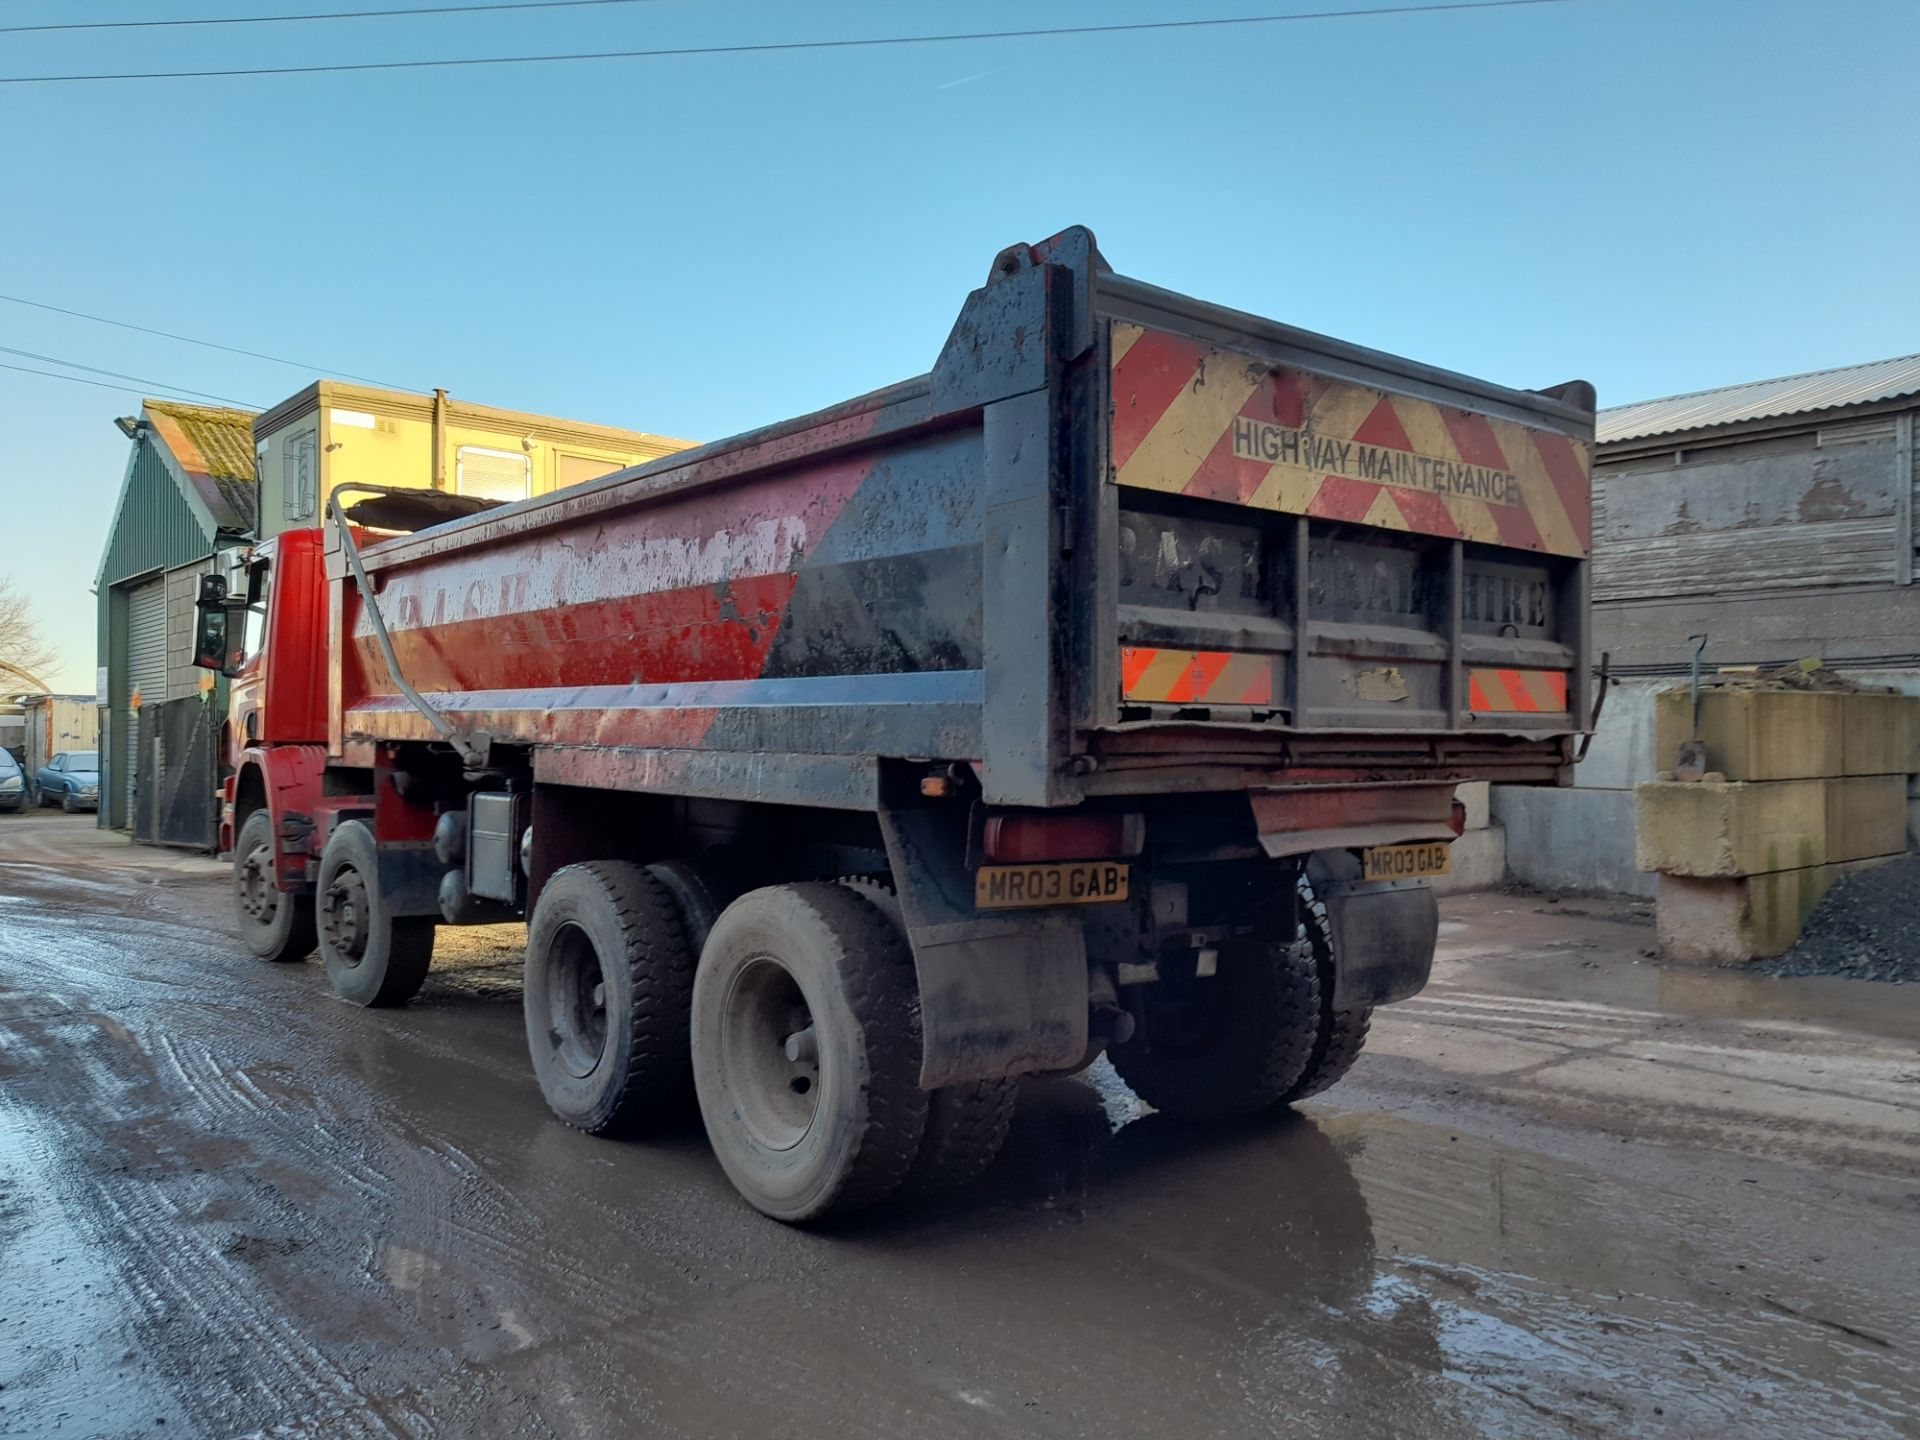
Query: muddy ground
(1567, 1192)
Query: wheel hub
(577, 1003)
(772, 1052)
(258, 899)
(343, 915)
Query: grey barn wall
(1778, 547)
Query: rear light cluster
(1030, 839)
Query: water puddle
(1363, 1268)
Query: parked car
(13, 784)
(70, 780)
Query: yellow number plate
(1408, 862)
(1022, 887)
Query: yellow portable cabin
(331, 433)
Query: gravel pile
(1868, 928)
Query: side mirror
(212, 636)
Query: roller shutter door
(146, 671)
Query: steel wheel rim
(259, 901)
(769, 1051)
(577, 1002)
(343, 916)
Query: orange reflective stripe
(1134, 661)
(1516, 692)
(1186, 677)
(1515, 685)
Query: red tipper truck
(1103, 690)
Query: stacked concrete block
(1801, 784)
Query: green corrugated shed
(189, 483)
(153, 527)
(189, 490)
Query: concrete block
(1479, 862)
(1474, 796)
(1571, 839)
(1701, 829)
(1877, 736)
(1866, 816)
(1723, 921)
(1623, 750)
(1757, 734)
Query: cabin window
(493, 474)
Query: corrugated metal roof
(214, 446)
(1763, 400)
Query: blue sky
(1657, 195)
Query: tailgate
(1337, 544)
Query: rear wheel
(608, 992)
(1230, 1043)
(966, 1127)
(699, 895)
(273, 924)
(806, 1051)
(1341, 1034)
(373, 957)
(966, 1124)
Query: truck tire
(699, 897)
(1341, 1034)
(966, 1128)
(608, 993)
(273, 924)
(806, 1052)
(1230, 1044)
(966, 1124)
(373, 957)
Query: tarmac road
(1566, 1193)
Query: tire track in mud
(405, 1192)
(175, 1270)
(168, 1098)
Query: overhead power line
(120, 375)
(204, 344)
(315, 16)
(779, 47)
(143, 389)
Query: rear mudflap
(1383, 932)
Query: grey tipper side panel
(943, 587)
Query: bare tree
(25, 652)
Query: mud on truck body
(1104, 690)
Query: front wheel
(806, 1051)
(373, 956)
(273, 924)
